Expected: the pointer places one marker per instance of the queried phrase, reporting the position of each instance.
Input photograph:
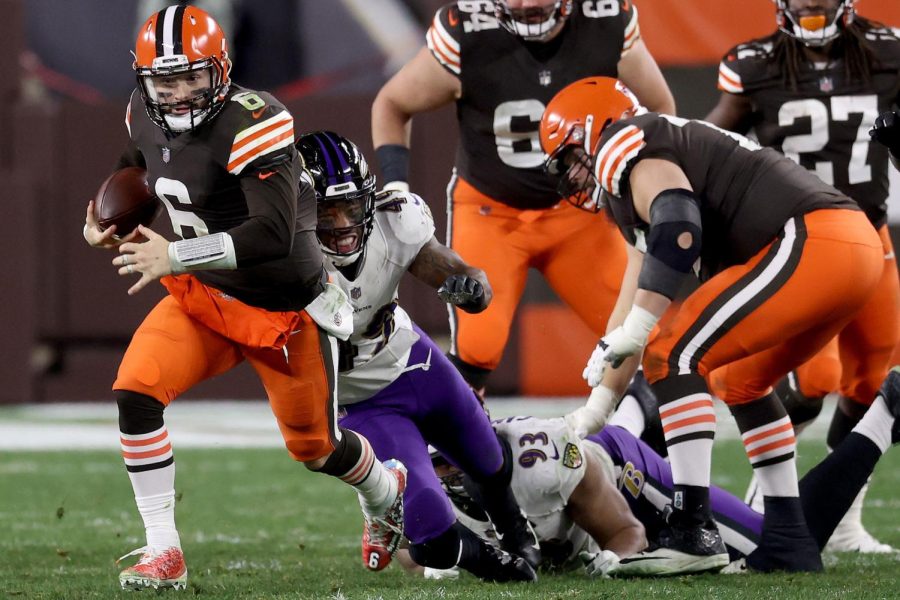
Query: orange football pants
(766, 317)
(580, 254)
(171, 352)
(856, 361)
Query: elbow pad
(673, 214)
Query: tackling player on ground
(395, 386)
(602, 498)
(812, 90)
(504, 214)
(779, 279)
(246, 281)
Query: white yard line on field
(234, 424)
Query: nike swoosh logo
(266, 175)
(555, 451)
(257, 113)
(452, 18)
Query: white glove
(599, 564)
(626, 340)
(591, 417)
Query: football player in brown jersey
(779, 279)
(811, 90)
(504, 215)
(245, 281)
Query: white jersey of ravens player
(378, 350)
(549, 462)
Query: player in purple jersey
(811, 90)
(395, 386)
(555, 469)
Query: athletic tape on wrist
(206, 252)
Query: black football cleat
(680, 549)
(518, 538)
(498, 566)
(786, 543)
(890, 391)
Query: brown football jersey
(823, 124)
(201, 176)
(746, 193)
(506, 83)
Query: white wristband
(206, 252)
(639, 323)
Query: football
(125, 200)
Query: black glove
(886, 131)
(464, 292)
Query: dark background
(66, 73)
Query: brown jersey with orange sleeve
(506, 83)
(238, 173)
(734, 179)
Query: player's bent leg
(151, 467)
(380, 488)
(829, 489)
(495, 496)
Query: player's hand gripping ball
(125, 200)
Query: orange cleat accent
(156, 569)
(382, 534)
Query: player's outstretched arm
(639, 71)
(456, 281)
(732, 112)
(597, 507)
(421, 85)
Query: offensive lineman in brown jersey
(779, 279)
(811, 90)
(245, 282)
(501, 62)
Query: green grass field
(256, 525)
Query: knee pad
(138, 413)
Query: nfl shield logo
(166, 154)
(826, 84)
(355, 293)
(544, 78)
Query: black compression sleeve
(272, 200)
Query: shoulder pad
(260, 130)
(743, 65)
(619, 146)
(443, 37)
(406, 215)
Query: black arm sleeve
(268, 232)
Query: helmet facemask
(182, 68)
(451, 478)
(180, 99)
(345, 220)
(816, 29)
(534, 23)
(573, 163)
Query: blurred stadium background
(66, 77)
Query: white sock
(876, 424)
(629, 416)
(375, 486)
(158, 513)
